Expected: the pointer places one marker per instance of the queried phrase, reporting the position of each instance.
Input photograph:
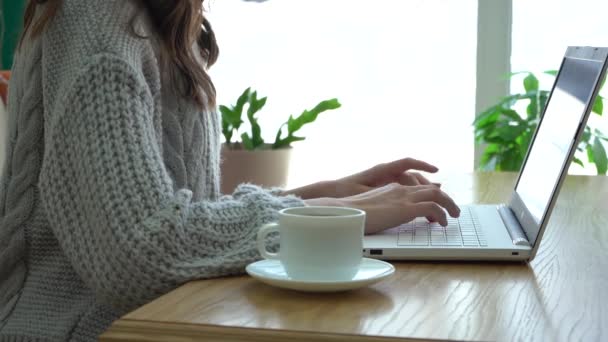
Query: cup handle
(262, 233)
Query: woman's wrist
(325, 202)
(311, 191)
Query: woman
(110, 192)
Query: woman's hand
(398, 171)
(391, 194)
(394, 204)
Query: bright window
(543, 29)
(403, 70)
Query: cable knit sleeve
(110, 201)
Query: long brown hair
(179, 24)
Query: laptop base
(499, 246)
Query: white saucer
(272, 272)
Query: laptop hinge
(513, 227)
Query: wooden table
(562, 295)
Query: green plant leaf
(227, 132)
(279, 133)
(488, 161)
(231, 117)
(509, 101)
(255, 105)
(286, 142)
(242, 100)
(228, 116)
(509, 132)
(526, 137)
(486, 125)
(225, 110)
(586, 137)
(488, 156)
(485, 113)
(599, 156)
(550, 72)
(247, 143)
(237, 111)
(491, 164)
(578, 161)
(510, 161)
(598, 106)
(589, 150)
(492, 148)
(531, 83)
(532, 109)
(511, 114)
(487, 117)
(308, 116)
(480, 136)
(494, 139)
(226, 126)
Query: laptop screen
(551, 146)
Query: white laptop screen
(551, 146)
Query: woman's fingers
(415, 178)
(437, 196)
(373, 193)
(421, 179)
(402, 165)
(395, 171)
(430, 210)
(410, 179)
(420, 187)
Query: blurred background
(411, 74)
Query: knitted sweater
(109, 195)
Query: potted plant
(252, 160)
(506, 134)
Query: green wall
(12, 20)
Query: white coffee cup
(317, 243)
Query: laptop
(513, 230)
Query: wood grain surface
(560, 296)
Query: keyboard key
(459, 232)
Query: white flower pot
(264, 167)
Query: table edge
(142, 330)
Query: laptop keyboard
(463, 231)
